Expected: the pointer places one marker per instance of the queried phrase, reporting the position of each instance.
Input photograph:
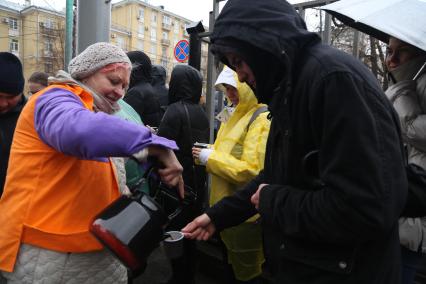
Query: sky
(194, 10)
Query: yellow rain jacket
(238, 156)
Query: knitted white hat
(95, 57)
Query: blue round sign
(182, 50)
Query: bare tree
(371, 51)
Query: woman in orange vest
(60, 174)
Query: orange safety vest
(50, 198)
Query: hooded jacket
(238, 156)
(185, 90)
(7, 128)
(159, 84)
(141, 96)
(330, 218)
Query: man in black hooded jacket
(159, 75)
(333, 184)
(141, 95)
(186, 122)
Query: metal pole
(301, 12)
(211, 76)
(93, 22)
(355, 50)
(327, 29)
(68, 32)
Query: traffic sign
(182, 50)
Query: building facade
(137, 25)
(37, 35)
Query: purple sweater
(62, 122)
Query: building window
(153, 34)
(154, 50)
(154, 19)
(14, 46)
(165, 35)
(13, 24)
(164, 51)
(176, 28)
(121, 42)
(48, 67)
(184, 30)
(141, 30)
(50, 24)
(140, 45)
(141, 14)
(164, 62)
(167, 20)
(48, 48)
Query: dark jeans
(409, 262)
(184, 268)
(421, 271)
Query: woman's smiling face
(111, 83)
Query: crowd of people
(308, 167)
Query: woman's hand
(201, 228)
(171, 172)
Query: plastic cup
(173, 244)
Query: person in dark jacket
(141, 95)
(334, 181)
(11, 103)
(186, 122)
(159, 75)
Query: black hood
(159, 75)
(268, 34)
(141, 71)
(186, 84)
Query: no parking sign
(182, 51)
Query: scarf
(100, 103)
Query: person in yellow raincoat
(236, 157)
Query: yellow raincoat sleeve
(252, 159)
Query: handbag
(169, 199)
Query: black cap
(11, 77)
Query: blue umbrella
(403, 19)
